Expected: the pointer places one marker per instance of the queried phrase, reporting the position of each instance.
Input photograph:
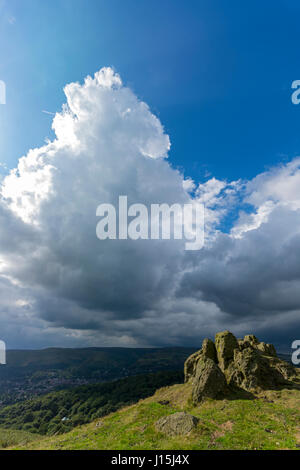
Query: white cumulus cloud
(61, 285)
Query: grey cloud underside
(257, 275)
(60, 285)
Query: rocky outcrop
(176, 424)
(229, 363)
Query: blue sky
(217, 73)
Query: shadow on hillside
(236, 393)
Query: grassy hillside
(60, 411)
(10, 437)
(271, 421)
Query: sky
(167, 101)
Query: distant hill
(89, 360)
(29, 373)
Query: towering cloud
(61, 285)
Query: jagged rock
(177, 424)
(245, 344)
(209, 382)
(190, 365)
(247, 371)
(209, 349)
(251, 339)
(245, 363)
(253, 372)
(284, 368)
(226, 343)
(267, 349)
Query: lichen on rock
(226, 343)
(209, 349)
(210, 382)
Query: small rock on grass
(177, 424)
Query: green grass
(11, 437)
(223, 424)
